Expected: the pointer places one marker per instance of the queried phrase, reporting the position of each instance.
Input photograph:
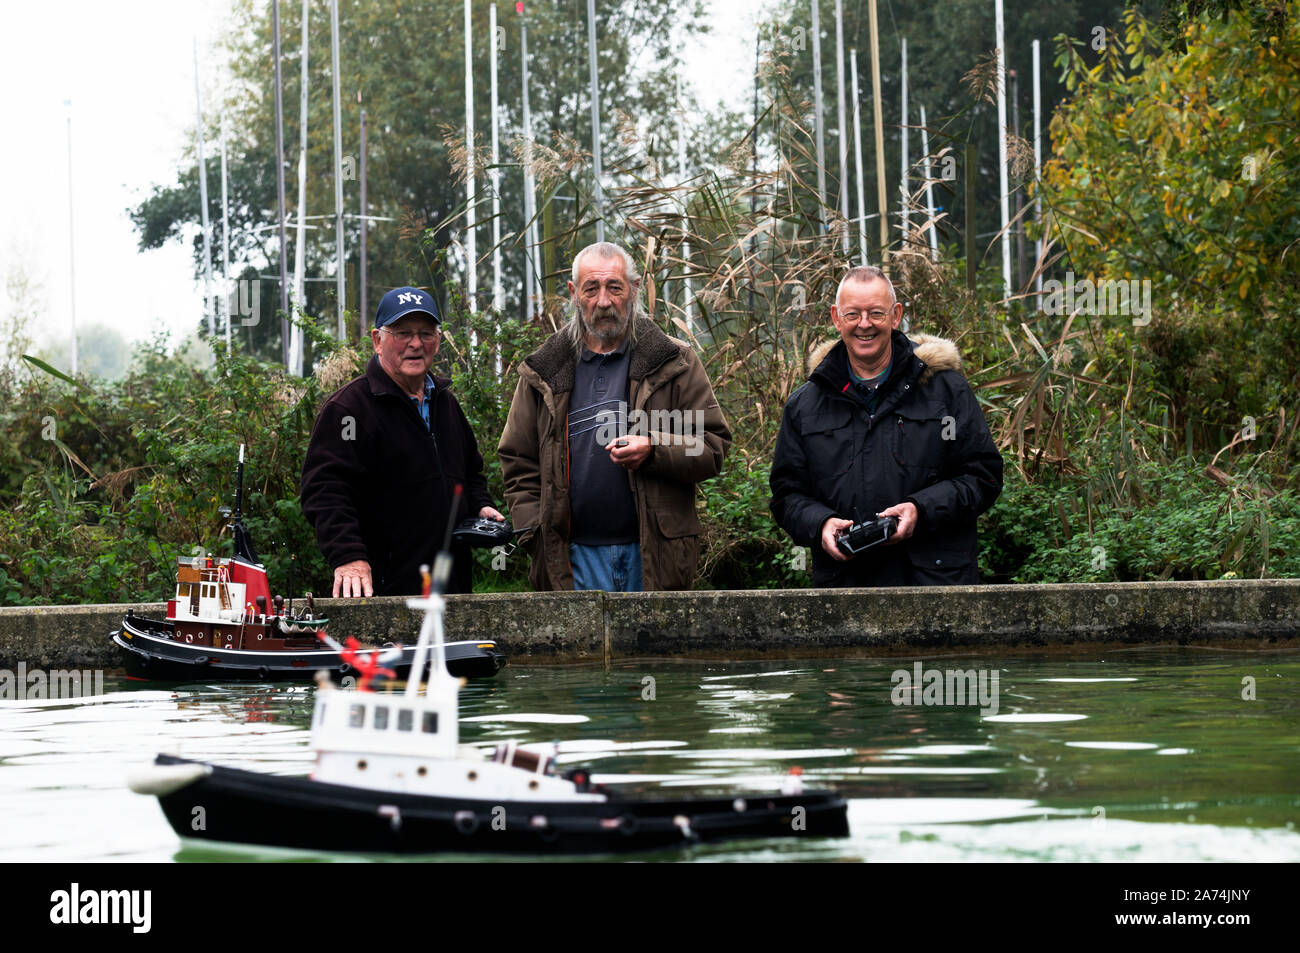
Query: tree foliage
(1180, 167)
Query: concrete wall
(600, 627)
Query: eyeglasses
(875, 317)
(404, 335)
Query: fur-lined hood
(936, 353)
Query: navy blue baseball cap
(400, 302)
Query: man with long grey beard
(612, 424)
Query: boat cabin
(411, 743)
(205, 592)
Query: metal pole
(688, 305)
(972, 263)
(1019, 264)
(225, 235)
(532, 281)
(929, 190)
(1038, 171)
(300, 238)
(471, 248)
(340, 277)
(72, 258)
(844, 142)
(279, 185)
(203, 200)
(878, 112)
(363, 285)
(817, 94)
(595, 121)
(902, 180)
(753, 154)
(857, 152)
(497, 301)
(1002, 150)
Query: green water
(1142, 755)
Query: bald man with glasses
(886, 426)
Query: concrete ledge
(792, 623)
(804, 622)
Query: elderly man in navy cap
(385, 455)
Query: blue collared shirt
(422, 405)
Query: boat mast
(433, 605)
(243, 545)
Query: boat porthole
(466, 822)
(344, 668)
(473, 775)
(422, 771)
(627, 825)
(361, 765)
(259, 637)
(532, 785)
(739, 805)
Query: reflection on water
(1146, 755)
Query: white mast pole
(595, 121)
(929, 190)
(72, 259)
(532, 282)
(497, 302)
(877, 109)
(225, 235)
(1038, 170)
(817, 94)
(857, 152)
(203, 200)
(844, 142)
(902, 179)
(300, 239)
(688, 305)
(471, 248)
(340, 277)
(1002, 150)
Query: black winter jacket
(377, 485)
(927, 443)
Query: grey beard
(608, 335)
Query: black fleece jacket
(377, 485)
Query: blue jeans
(611, 568)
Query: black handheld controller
(862, 536)
(482, 532)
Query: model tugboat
(223, 624)
(392, 777)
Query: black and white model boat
(392, 777)
(222, 624)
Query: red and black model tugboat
(223, 624)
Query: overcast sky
(128, 69)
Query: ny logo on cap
(406, 297)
